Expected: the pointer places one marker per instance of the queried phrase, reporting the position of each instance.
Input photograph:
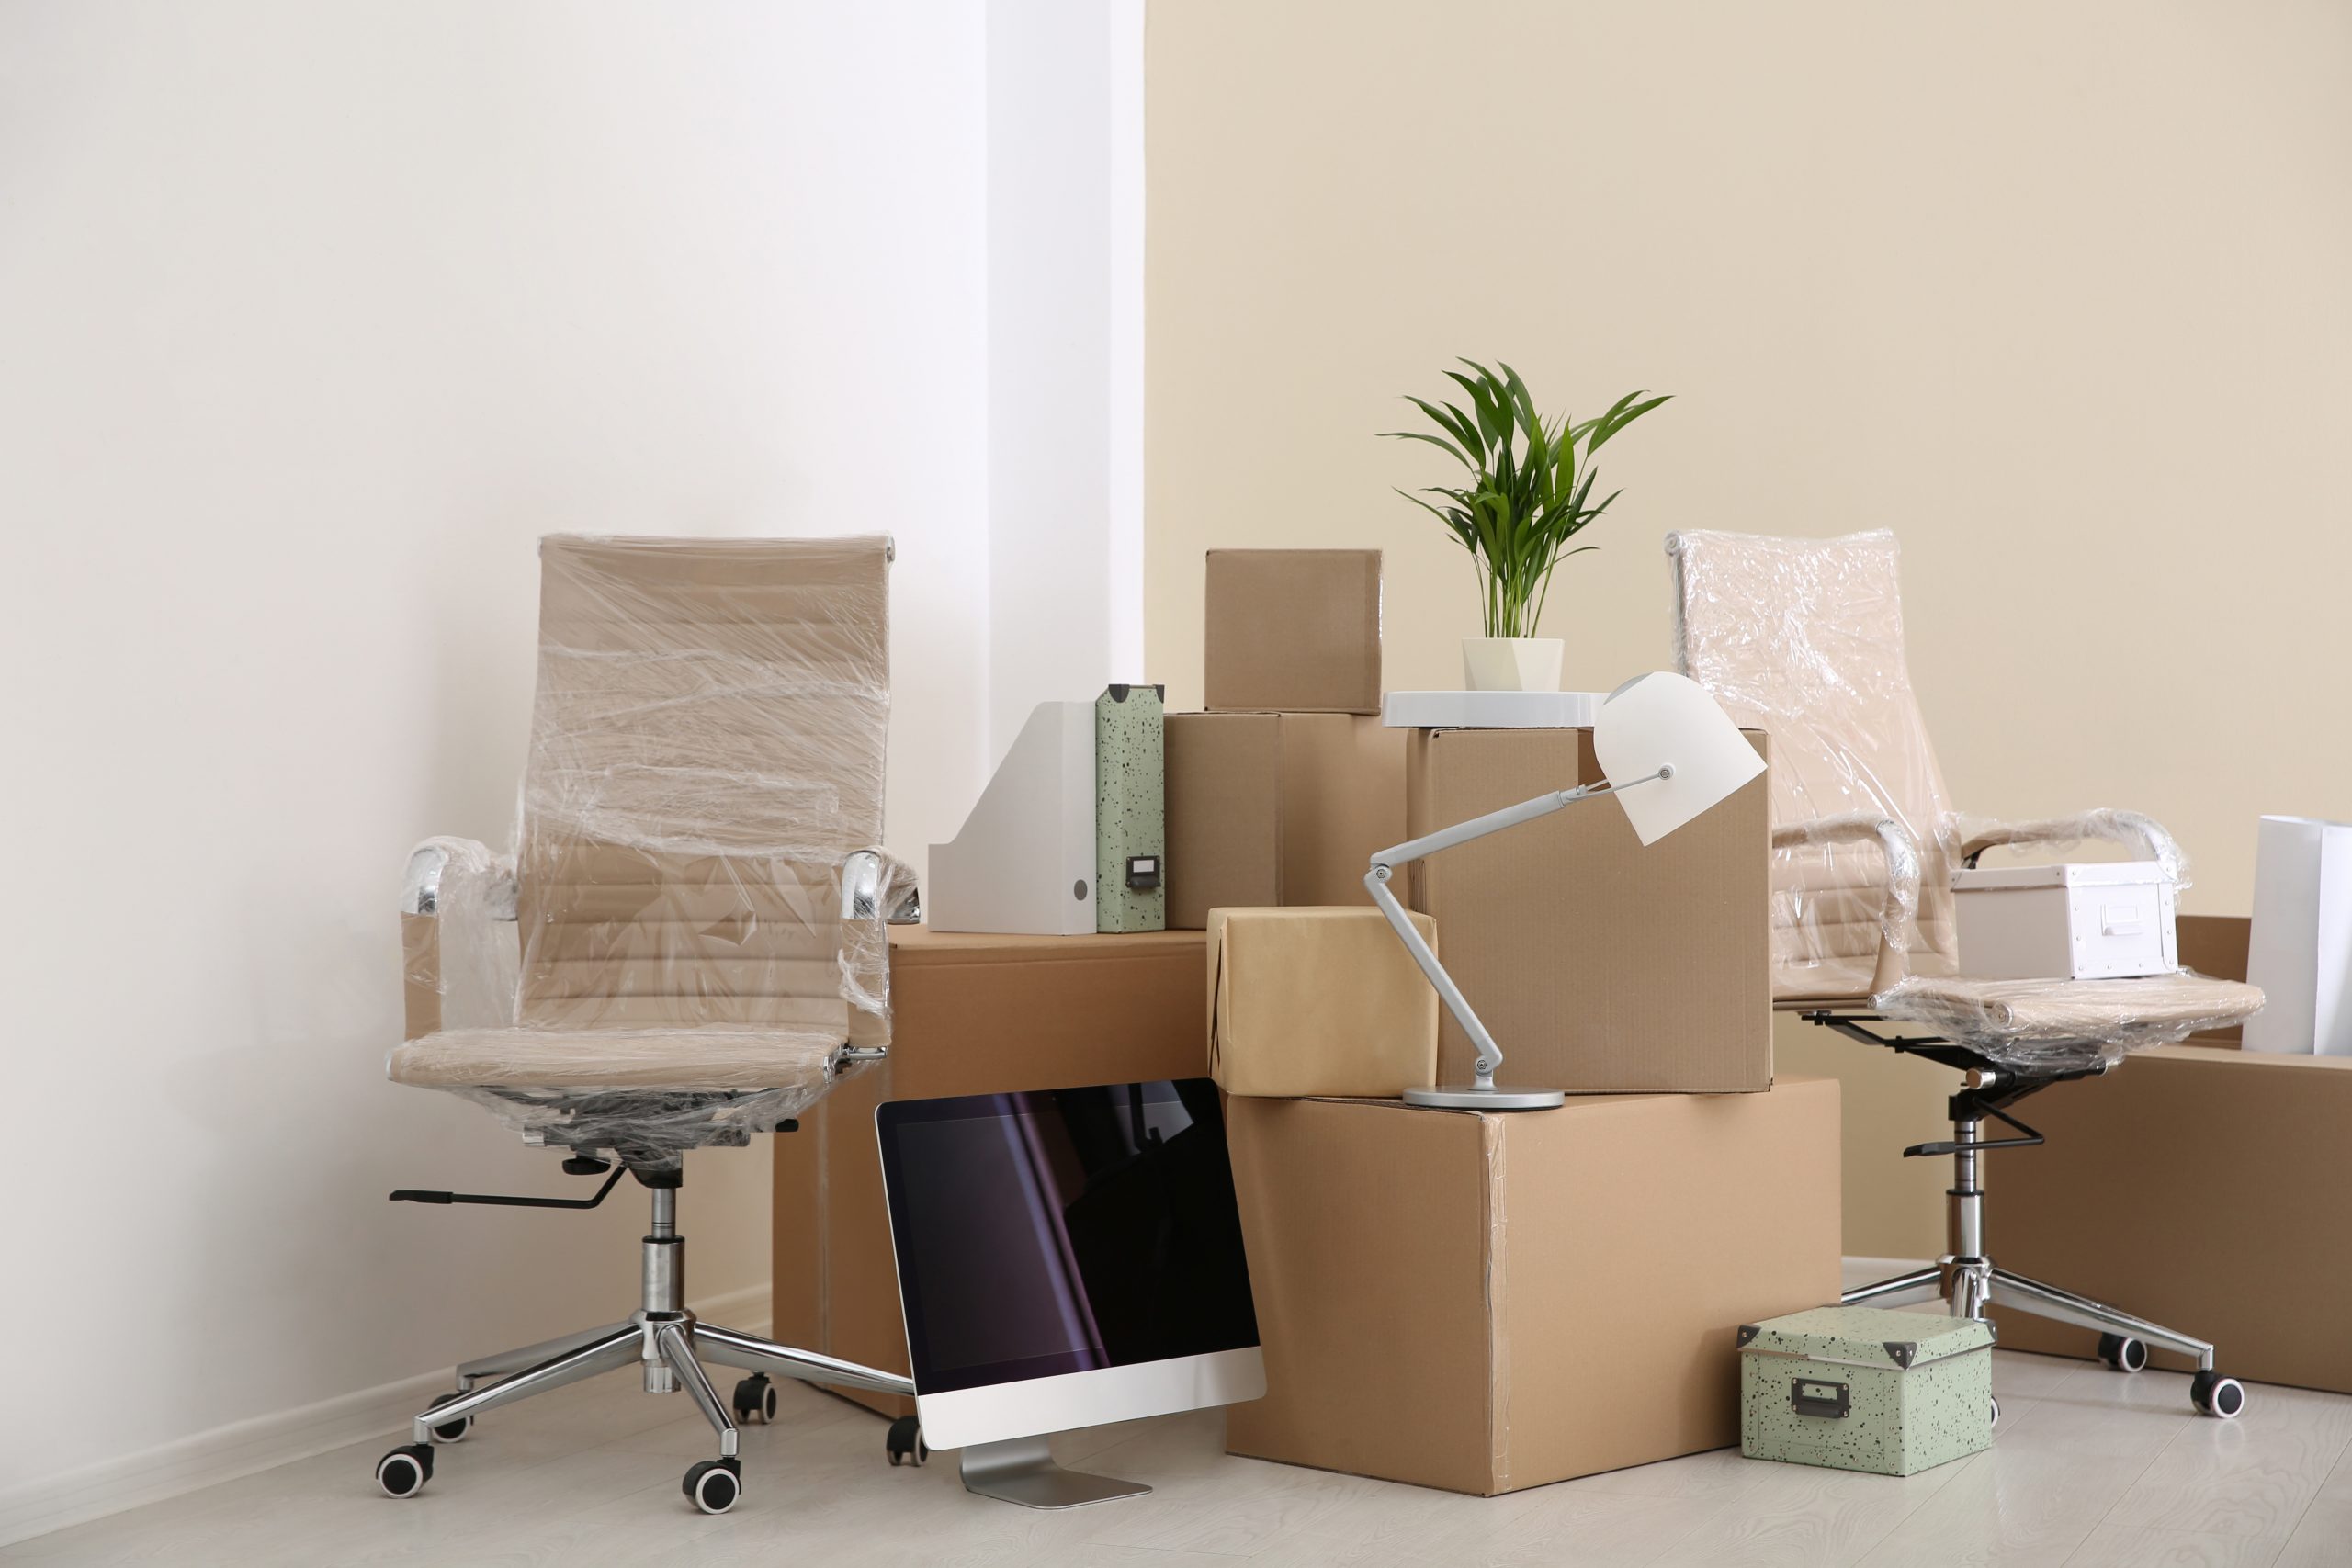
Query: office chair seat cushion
(2043, 1021)
(613, 1058)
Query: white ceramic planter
(1511, 664)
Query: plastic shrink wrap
(692, 925)
(1803, 637)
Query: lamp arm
(1384, 864)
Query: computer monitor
(1066, 1258)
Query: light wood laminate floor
(2092, 1470)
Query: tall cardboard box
(1487, 1302)
(1599, 966)
(971, 1014)
(1270, 808)
(1292, 631)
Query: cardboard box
(1317, 1002)
(1272, 808)
(971, 1014)
(1599, 966)
(1293, 631)
(2201, 1189)
(2216, 946)
(1490, 1302)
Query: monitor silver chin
(996, 1412)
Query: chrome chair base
(669, 1347)
(1969, 1282)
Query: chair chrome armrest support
(2134, 830)
(1902, 877)
(430, 861)
(873, 884)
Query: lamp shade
(1662, 720)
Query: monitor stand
(1022, 1470)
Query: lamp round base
(1471, 1097)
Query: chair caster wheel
(715, 1484)
(2216, 1396)
(404, 1471)
(755, 1399)
(905, 1441)
(1997, 1411)
(450, 1431)
(2122, 1353)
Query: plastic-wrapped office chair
(701, 900)
(1804, 637)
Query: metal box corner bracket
(1130, 810)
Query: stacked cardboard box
(970, 1014)
(1485, 1301)
(1280, 792)
(1599, 966)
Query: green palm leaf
(1528, 484)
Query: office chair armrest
(876, 883)
(430, 863)
(2143, 835)
(1902, 901)
(456, 967)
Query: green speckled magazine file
(1862, 1388)
(1130, 813)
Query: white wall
(314, 316)
(1065, 169)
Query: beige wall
(2059, 293)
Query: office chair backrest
(1803, 637)
(706, 750)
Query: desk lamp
(1668, 753)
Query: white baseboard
(263, 1442)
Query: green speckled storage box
(1862, 1388)
(1130, 811)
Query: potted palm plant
(1529, 492)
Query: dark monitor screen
(1063, 1231)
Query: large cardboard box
(1293, 631)
(971, 1014)
(2198, 1186)
(1598, 966)
(1267, 808)
(1488, 1302)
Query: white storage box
(2103, 920)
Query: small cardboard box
(1293, 631)
(1318, 1002)
(971, 1014)
(1272, 808)
(1599, 966)
(1485, 1301)
(2199, 1188)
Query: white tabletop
(1491, 710)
